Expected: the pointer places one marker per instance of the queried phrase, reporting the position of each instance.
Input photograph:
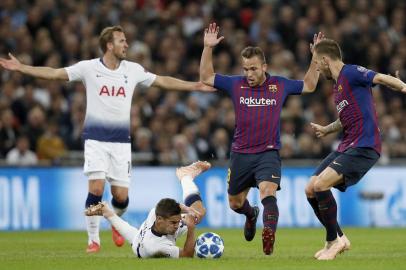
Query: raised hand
(316, 39)
(319, 130)
(10, 64)
(210, 35)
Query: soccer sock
(192, 198)
(119, 207)
(188, 186)
(246, 210)
(315, 205)
(271, 212)
(125, 229)
(93, 222)
(328, 213)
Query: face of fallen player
(322, 63)
(119, 45)
(168, 225)
(254, 70)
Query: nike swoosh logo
(336, 163)
(275, 177)
(245, 87)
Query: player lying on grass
(157, 235)
(360, 146)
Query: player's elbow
(309, 87)
(207, 79)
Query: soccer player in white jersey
(110, 82)
(158, 233)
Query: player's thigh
(240, 173)
(119, 172)
(327, 179)
(268, 169)
(352, 167)
(325, 163)
(96, 162)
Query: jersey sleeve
(169, 251)
(144, 77)
(362, 76)
(76, 72)
(292, 87)
(224, 83)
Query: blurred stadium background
(171, 128)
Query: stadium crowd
(43, 119)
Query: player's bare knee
(120, 197)
(235, 203)
(319, 185)
(309, 189)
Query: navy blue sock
(92, 199)
(191, 199)
(246, 210)
(315, 205)
(270, 215)
(328, 212)
(120, 205)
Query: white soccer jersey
(108, 97)
(147, 243)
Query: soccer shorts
(248, 170)
(108, 160)
(353, 164)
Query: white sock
(125, 229)
(93, 225)
(188, 186)
(119, 211)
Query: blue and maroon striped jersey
(356, 109)
(257, 110)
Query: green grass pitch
(371, 249)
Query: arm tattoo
(334, 127)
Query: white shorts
(108, 160)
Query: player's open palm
(319, 130)
(316, 39)
(211, 38)
(10, 64)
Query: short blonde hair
(106, 36)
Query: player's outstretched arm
(47, 73)
(188, 249)
(322, 131)
(210, 40)
(392, 82)
(312, 75)
(170, 83)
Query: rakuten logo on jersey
(105, 91)
(341, 105)
(256, 102)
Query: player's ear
(264, 67)
(110, 45)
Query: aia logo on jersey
(113, 92)
(272, 88)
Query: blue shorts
(353, 164)
(248, 170)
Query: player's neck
(336, 68)
(110, 61)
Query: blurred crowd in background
(43, 119)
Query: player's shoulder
(355, 70)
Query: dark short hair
(250, 52)
(106, 36)
(167, 207)
(330, 48)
